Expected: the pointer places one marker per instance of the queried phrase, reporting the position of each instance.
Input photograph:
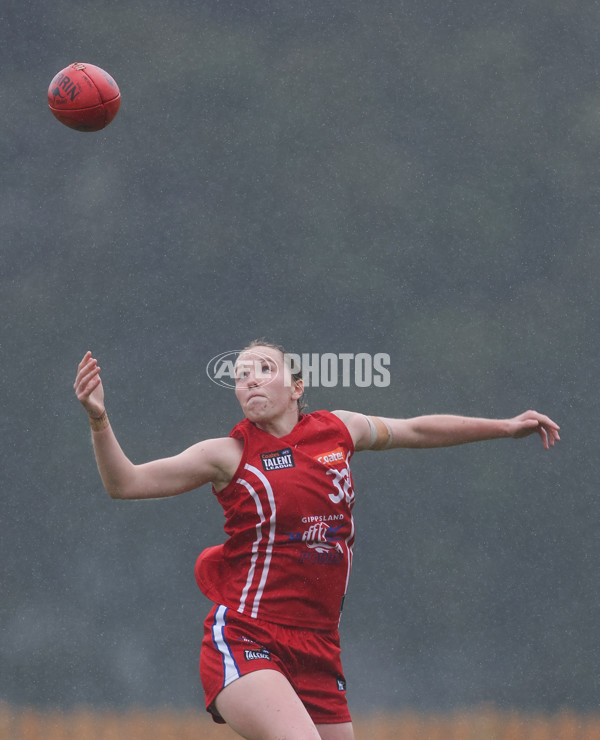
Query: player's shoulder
(224, 455)
(350, 417)
(343, 414)
(326, 414)
(219, 449)
(332, 418)
(358, 427)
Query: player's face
(263, 384)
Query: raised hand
(88, 386)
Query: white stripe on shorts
(230, 669)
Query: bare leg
(264, 706)
(342, 731)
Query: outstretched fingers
(545, 437)
(546, 428)
(532, 421)
(549, 434)
(88, 386)
(87, 378)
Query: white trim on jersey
(350, 538)
(230, 669)
(350, 548)
(259, 537)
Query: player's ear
(298, 389)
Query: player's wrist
(98, 423)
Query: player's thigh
(342, 731)
(262, 705)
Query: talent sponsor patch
(277, 460)
(257, 654)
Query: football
(84, 97)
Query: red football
(84, 97)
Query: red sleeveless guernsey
(288, 512)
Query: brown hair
(262, 342)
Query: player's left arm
(443, 430)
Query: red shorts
(235, 645)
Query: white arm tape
(381, 434)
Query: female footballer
(270, 658)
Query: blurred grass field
(487, 724)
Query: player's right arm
(211, 461)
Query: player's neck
(280, 426)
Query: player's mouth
(255, 395)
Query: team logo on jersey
(341, 683)
(321, 537)
(277, 460)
